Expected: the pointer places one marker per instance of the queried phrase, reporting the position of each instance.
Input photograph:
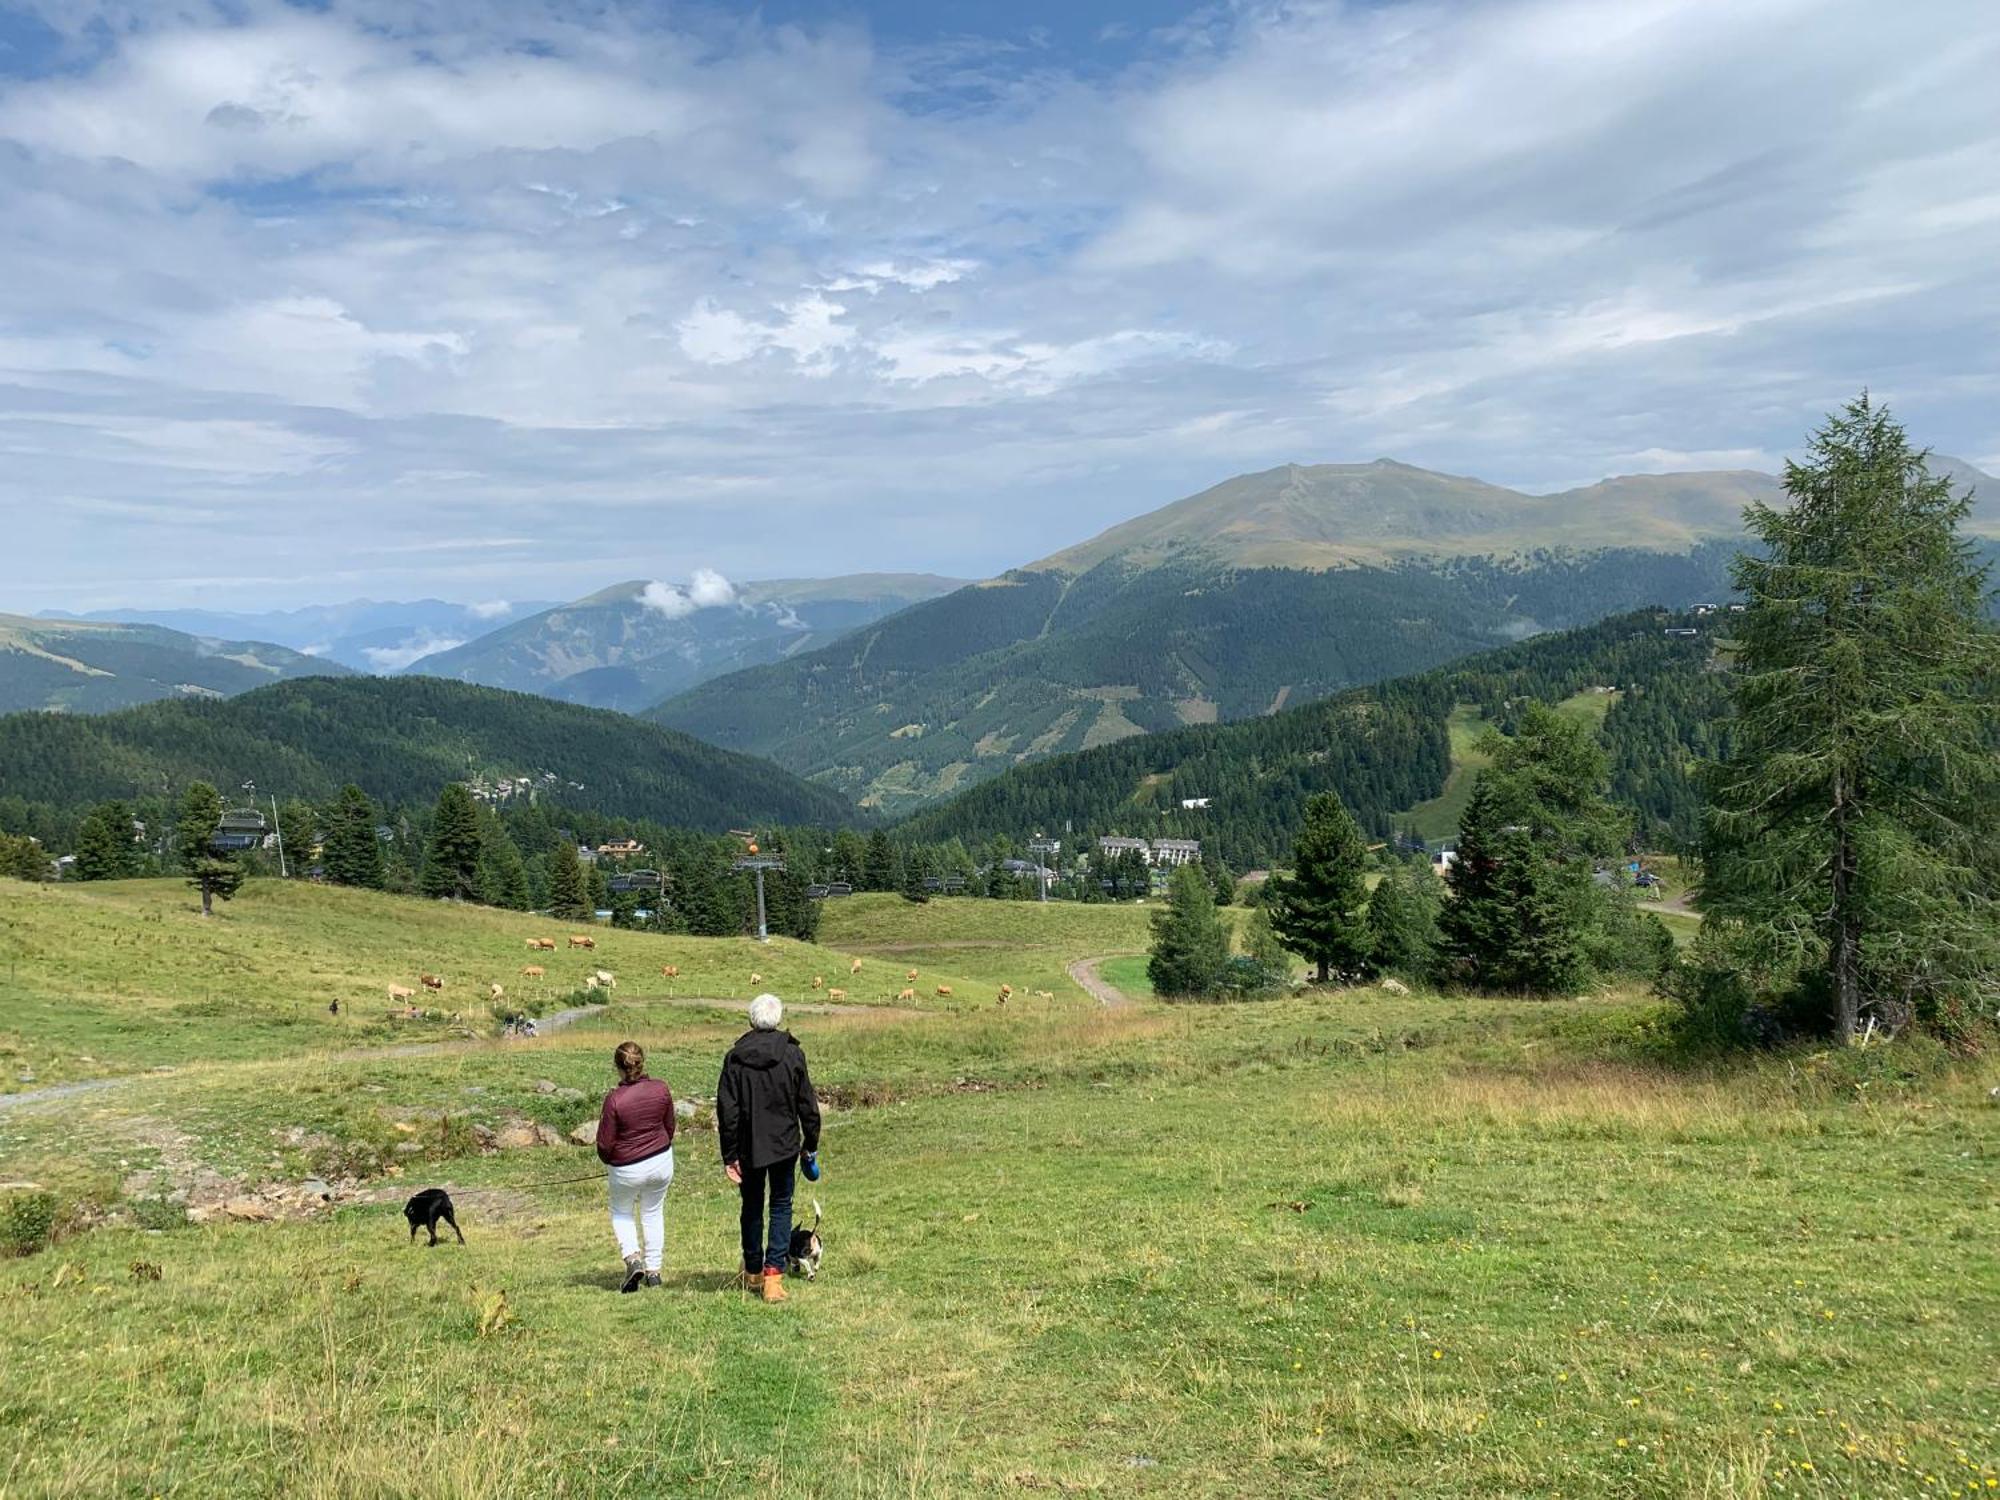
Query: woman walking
(768, 1119)
(635, 1138)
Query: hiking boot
(635, 1274)
(749, 1281)
(652, 1278)
(774, 1284)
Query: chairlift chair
(240, 828)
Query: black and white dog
(427, 1210)
(803, 1255)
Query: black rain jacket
(765, 1108)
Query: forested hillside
(91, 666)
(1384, 749)
(400, 739)
(1037, 663)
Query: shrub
(27, 1221)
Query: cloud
(708, 589)
(488, 609)
(521, 299)
(411, 650)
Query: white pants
(639, 1199)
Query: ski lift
(633, 882)
(240, 828)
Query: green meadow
(1343, 1244)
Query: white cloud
(708, 589)
(411, 650)
(488, 609)
(524, 298)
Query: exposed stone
(316, 1187)
(585, 1134)
(545, 1085)
(548, 1135)
(1395, 987)
(517, 1135)
(251, 1209)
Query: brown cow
(1045, 994)
(911, 976)
(836, 994)
(944, 991)
(398, 992)
(539, 944)
(430, 981)
(854, 968)
(533, 971)
(907, 995)
(670, 971)
(756, 978)
(818, 980)
(494, 992)
(583, 942)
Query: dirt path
(1084, 972)
(544, 1026)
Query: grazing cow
(430, 981)
(590, 981)
(583, 942)
(836, 994)
(1001, 998)
(907, 995)
(606, 978)
(818, 980)
(533, 971)
(756, 978)
(1045, 994)
(944, 991)
(398, 992)
(545, 945)
(854, 968)
(911, 977)
(494, 992)
(1006, 990)
(670, 971)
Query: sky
(516, 298)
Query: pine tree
(569, 888)
(451, 858)
(214, 875)
(881, 870)
(351, 854)
(1849, 832)
(104, 848)
(503, 874)
(21, 858)
(1528, 846)
(1190, 945)
(1262, 944)
(1403, 916)
(298, 829)
(1319, 910)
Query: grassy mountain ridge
(93, 666)
(615, 649)
(1267, 590)
(400, 739)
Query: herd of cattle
(604, 979)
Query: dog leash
(514, 1187)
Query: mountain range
(1266, 590)
(88, 666)
(366, 634)
(635, 643)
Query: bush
(27, 1221)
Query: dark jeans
(758, 1253)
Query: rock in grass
(585, 1134)
(249, 1209)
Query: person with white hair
(767, 1118)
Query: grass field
(1439, 817)
(1347, 1244)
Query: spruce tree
(503, 874)
(351, 854)
(451, 859)
(1528, 847)
(569, 888)
(298, 829)
(1261, 943)
(1849, 832)
(881, 870)
(214, 875)
(1190, 945)
(21, 858)
(1403, 916)
(1319, 910)
(104, 847)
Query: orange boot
(750, 1281)
(774, 1284)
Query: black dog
(426, 1210)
